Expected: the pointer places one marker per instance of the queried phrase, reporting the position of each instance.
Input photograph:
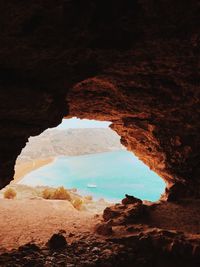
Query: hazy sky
(78, 123)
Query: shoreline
(24, 168)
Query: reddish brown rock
(125, 214)
(112, 212)
(104, 229)
(57, 241)
(134, 63)
(131, 200)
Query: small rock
(57, 241)
(71, 234)
(29, 247)
(96, 249)
(62, 232)
(106, 254)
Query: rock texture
(128, 234)
(135, 63)
(154, 247)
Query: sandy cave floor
(25, 220)
(36, 220)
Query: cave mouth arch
(79, 153)
(148, 125)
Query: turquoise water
(114, 174)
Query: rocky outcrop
(160, 231)
(152, 248)
(182, 217)
(134, 63)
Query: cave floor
(169, 236)
(32, 220)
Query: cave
(134, 63)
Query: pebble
(96, 249)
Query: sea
(108, 175)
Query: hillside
(70, 142)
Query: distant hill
(70, 142)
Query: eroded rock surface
(153, 248)
(135, 63)
(129, 234)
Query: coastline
(26, 167)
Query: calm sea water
(113, 173)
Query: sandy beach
(23, 168)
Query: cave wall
(135, 63)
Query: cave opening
(67, 176)
(87, 157)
